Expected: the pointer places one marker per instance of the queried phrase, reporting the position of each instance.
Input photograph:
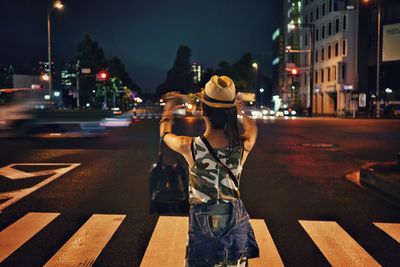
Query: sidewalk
(382, 178)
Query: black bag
(168, 187)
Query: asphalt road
(284, 181)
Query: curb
(379, 178)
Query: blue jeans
(218, 236)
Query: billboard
(391, 42)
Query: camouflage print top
(208, 181)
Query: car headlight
(286, 112)
(293, 112)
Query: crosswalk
(168, 241)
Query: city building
(389, 84)
(345, 54)
(43, 67)
(25, 77)
(292, 16)
(197, 72)
(278, 66)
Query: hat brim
(200, 96)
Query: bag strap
(212, 152)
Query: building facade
(345, 54)
(292, 37)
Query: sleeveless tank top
(208, 181)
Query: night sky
(144, 34)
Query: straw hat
(219, 92)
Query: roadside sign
(362, 100)
(86, 71)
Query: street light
(59, 6)
(378, 56)
(311, 60)
(261, 99)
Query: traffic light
(102, 75)
(294, 72)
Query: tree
(117, 69)
(241, 72)
(179, 77)
(90, 55)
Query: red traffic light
(294, 72)
(102, 75)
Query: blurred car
(285, 112)
(66, 130)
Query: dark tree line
(91, 55)
(180, 76)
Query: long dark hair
(226, 119)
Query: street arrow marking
(11, 173)
(17, 234)
(392, 229)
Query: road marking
(22, 230)
(168, 244)
(269, 255)
(10, 172)
(339, 248)
(392, 229)
(83, 248)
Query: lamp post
(56, 5)
(261, 98)
(311, 39)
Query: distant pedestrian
(220, 233)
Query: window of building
(329, 51)
(344, 22)
(306, 18)
(317, 34)
(336, 49)
(330, 6)
(328, 74)
(337, 26)
(323, 32)
(316, 76)
(322, 76)
(311, 16)
(317, 13)
(330, 29)
(334, 73)
(322, 54)
(343, 77)
(306, 39)
(316, 55)
(344, 47)
(305, 79)
(323, 9)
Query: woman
(220, 233)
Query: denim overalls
(219, 225)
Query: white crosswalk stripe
(392, 229)
(168, 241)
(339, 248)
(22, 230)
(173, 230)
(83, 248)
